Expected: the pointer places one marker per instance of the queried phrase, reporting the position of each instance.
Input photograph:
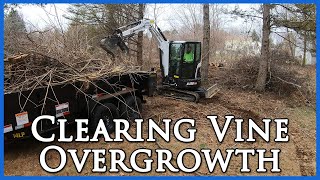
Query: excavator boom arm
(121, 35)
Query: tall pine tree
(14, 32)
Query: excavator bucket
(110, 44)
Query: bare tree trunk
(304, 62)
(291, 45)
(264, 60)
(213, 30)
(290, 40)
(140, 39)
(206, 43)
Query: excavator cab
(184, 64)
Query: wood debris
(35, 70)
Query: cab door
(175, 57)
(190, 64)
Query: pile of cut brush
(286, 78)
(34, 70)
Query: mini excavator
(180, 61)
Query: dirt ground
(297, 157)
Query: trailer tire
(108, 112)
(135, 104)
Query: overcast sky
(37, 17)
(40, 17)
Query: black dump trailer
(119, 96)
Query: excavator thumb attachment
(110, 44)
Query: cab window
(188, 62)
(198, 52)
(174, 58)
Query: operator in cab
(187, 64)
(188, 55)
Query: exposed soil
(297, 157)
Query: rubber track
(180, 94)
